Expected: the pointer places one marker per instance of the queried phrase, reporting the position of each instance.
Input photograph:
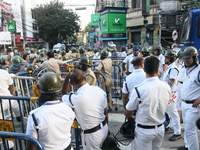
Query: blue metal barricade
(10, 124)
(19, 139)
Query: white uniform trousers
(94, 141)
(179, 99)
(173, 113)
(149, 139)
(190, 116)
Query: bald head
(76, 76)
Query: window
(135, 4)
(33, 14)
(35, 27)
(185, 29)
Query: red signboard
(18, 38)
(30, 39)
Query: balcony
(118, 4)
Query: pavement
(117, 118)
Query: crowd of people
(155, 83)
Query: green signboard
(113, 25)
(11, 26)
(117, 23)
(95, 19)
(104, 24)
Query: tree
(56, 23)
(188, 5)
(88, 29)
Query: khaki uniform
(90, 54)
(90, 77)
(129, 51)
(52, 65)
(59, 57)
(105, 66)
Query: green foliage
(88, 29)
(186, 7)
(55, 22)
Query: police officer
(171, 77)
(58, 56)
(51, 123)
(129, 59)
(129, 50)
(123, 52)
(89, 103)
(151, 98)
(135, 78)
(190, 94)
(84, 64)
(43, 57)
(157, 52)
(145, 52)
(105, 66)
(26, 60)
(17, 66)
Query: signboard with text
(11, 26)
(5, 38)
(95, 20)
(113, 25)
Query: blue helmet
(135, 48)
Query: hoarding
(11, 26)
(5, 38)
(95, 19)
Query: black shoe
(175, 137)
(182, 148)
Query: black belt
(148, 127)
(181, 82)
(68, 147)
(95, 128)
(188, 102)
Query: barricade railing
(98, 83)
(21, 106)
(19, 138)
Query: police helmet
(190, 52)
(3, 58)
(81, 50)
(96, 50)
(42, 54)
(158, 48)
(28, 52)
(32, 50)
(19, 54)
(17, 61)
(172, 54)
(130, 44)
(135, 48)
(31, 67)
(84, 60)
(104, 54)
(49, 83)
(63, 52)
(123, 48)
(128, 129)
(74, 50)
(198, 123)
(38, 58)
(145, 51)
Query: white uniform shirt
(54, 120)
(190, 90)
(162, 62)
(181, 69)
(128, 61)
(135, 78)
(96, 56)
(123, 54)
(154, 97)
(5, 81)
(171, 73)
(89, 103)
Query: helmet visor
(186, 55)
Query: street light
(159, 17)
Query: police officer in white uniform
(136, 77)
(159, 55)
(129, 59)
(90, 107)
(151, 98)
(190, 94)
(51, 123)
(171, 77)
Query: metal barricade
(19, 139)
(98, 74)
(10, 124)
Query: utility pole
(145, 14)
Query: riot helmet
(172, 54)
(85, 62)
(145, 51)
(104, 54)
(190, 52)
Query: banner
(5, 38)
(95, 19)
(11, 26)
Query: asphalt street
(116, 119)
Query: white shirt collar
(138, 70)
(82, 87)
(151, 79)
